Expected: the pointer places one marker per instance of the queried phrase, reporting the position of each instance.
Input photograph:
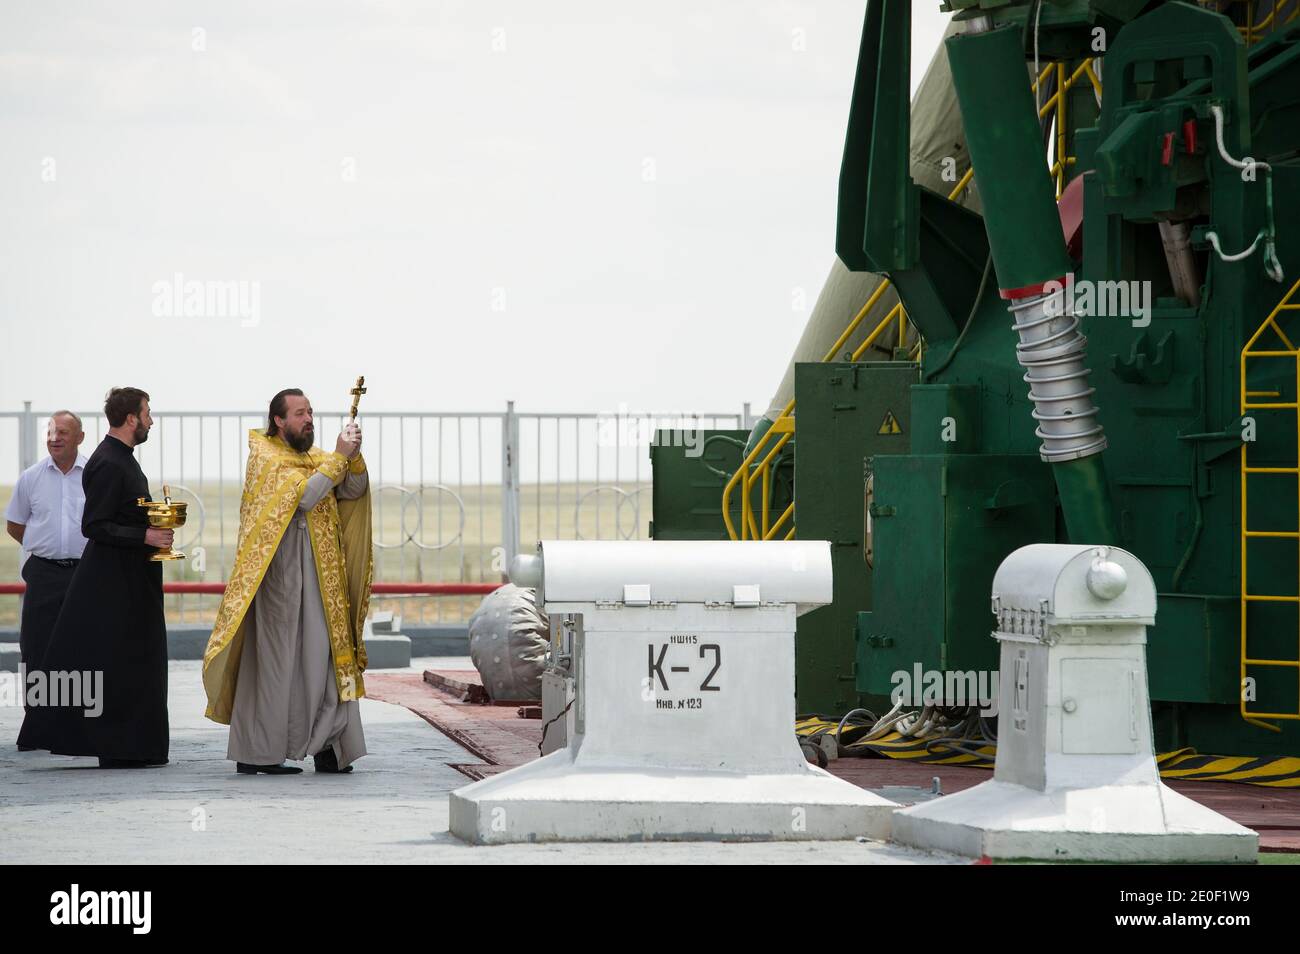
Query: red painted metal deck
(501, 738)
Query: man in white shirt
(44, 516)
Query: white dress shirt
(49, 503)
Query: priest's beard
(141, 434)
(300, 441)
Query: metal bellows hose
(1052, 351)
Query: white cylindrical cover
(687, 571)
(1053, 578)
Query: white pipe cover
(687, 571)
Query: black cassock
(111, 622)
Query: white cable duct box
(682, 719)
(1076, 776)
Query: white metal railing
(454, 493)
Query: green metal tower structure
(1139, 416)
(1109, 357)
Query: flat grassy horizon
(466, 554)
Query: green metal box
(687, 483)
(940, 526)
(845, 414)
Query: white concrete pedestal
(552, 800)
(1111, 823)
(1076, 778)
(682, 722)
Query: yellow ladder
(1255, 349)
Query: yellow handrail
(853, 325)
(880, 329)
(784, 425)
(746, 504)
(741, 470)
(1093, 78)
(1250, 29)
(789, 512)
(786, 417)
(962, 183)
(1056, 102)
(1063, 84)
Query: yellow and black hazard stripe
(812, 728)
(933, 749)
(936, 749)
(1190, 765)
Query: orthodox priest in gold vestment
(284, 665)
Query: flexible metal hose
(1052, 351)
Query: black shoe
(243, 768)
(26, 748)
(327, 761)
(121, 763)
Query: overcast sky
(575, 205)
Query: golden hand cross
(356, 393)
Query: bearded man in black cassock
(112, 618)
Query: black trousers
(47, 585)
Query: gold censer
(165, 514)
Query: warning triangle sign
(890, 424)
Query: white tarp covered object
(508, 638)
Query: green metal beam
(1006, 148)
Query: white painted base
(554, 800)
(1115, 823)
